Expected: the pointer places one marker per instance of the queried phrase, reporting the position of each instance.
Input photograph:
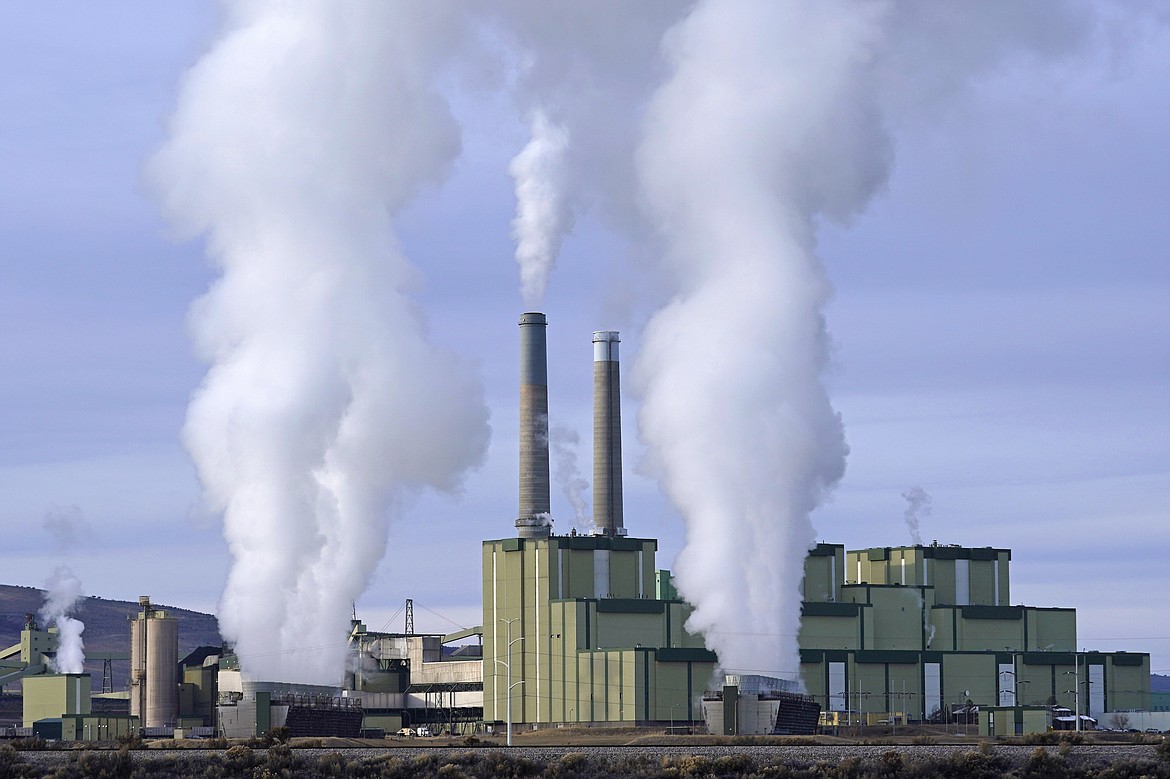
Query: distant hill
(1159, 683)
(107, 627)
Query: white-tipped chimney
(534, 519)
(607, 436)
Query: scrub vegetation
(280, 760)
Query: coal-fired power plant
(607, 436)
(585, 629)
(534, 519)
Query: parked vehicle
(423, 731)
(408, 732)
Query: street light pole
(1077, 694)
(1076, 691)
(508, 666)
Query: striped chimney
(534, 519)
(607, 436)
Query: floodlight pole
(508, 666)
(1076, 691)
(1077, 696)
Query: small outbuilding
(1014, 720)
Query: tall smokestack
(534, 519)
(607, 436)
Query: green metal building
(918, 633)
(48, 696)
(588, 631)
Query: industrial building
(759, 705)
(396, 680)
(920, 633)
(56, 705)
(582, 628)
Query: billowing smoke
(773, 118)
(295, 141)
(63, 595)
(917, 507)
(563, 444)
(736, 165)
(542, 213)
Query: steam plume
(542, 214)
(295, 141)
(917, 507)
(564, 443)
(775, 116)
(734, 170)
(62, 594)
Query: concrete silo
(154, 661)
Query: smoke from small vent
(567, 474)
(917, 508)
(63, 595)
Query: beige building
(915, 633)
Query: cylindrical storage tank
(535, 503)
(607, 435)
(162, 671)
(154, 674)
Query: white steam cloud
(774, 117)
(542, 213)
(62, 595)
(735, 166)
(295, 141)
(917, 507)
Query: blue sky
(1000, 322)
